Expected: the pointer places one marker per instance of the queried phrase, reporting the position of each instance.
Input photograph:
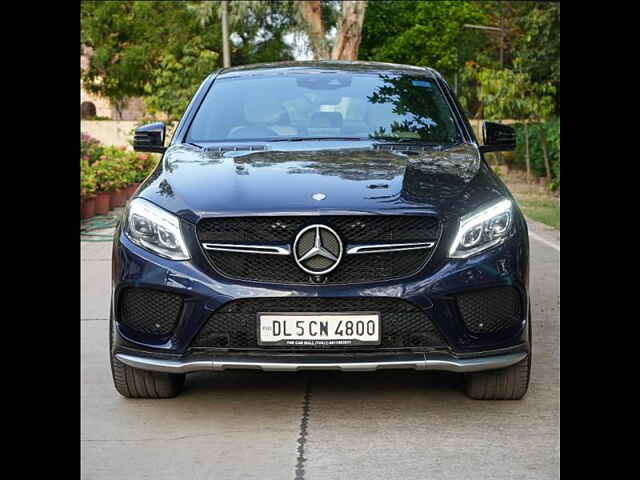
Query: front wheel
(509, 383)
(135, 383)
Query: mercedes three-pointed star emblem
(317, 249)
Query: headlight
(482, 230)
(155, 230)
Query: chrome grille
(279, 232)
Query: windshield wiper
(194, 145)
(416, 141)
(301, 139)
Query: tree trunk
(498, 155)
(480, 110)
(543, 142)
(226, 57)
(349, 32)
(119, 105)
(311, 12)
(526, 155)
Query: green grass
(540, 208)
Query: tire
(135, 383)
(509, 383)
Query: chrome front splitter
(416, 361)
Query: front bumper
(432, 290)
(345, 363)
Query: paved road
(322, 425)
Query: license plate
(308, 329)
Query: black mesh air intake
(403, 325)
(491, 310)
(352, 229)
(149, 311)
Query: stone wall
(134, 109)
(110, 132)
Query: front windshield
(324, 105)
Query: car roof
(324, 65)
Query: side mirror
(150, 138)
(497, 138)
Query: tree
(532, 40)
(349, 34)
(539, 46)
(140, 48)
(311, 12)
(425, 33)
(127, 40)
(314, 18)
(510, 94)
(505, 15)
(349, 16)
(173, 85)
(259, 25)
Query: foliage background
(142, 48)
(162, 50)
(552, 134)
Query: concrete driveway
(322, 425)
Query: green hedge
(552, 134)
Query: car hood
(195, 182)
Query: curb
(544, 234)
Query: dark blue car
(321, 216)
